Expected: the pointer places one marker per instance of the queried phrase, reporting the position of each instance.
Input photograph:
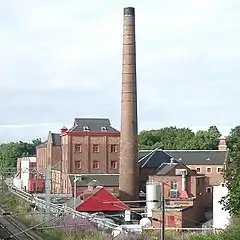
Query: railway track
(14, 229)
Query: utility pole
(48, 192)
(77, 177)
(163, 213)
(75, 193)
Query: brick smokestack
(129, 173)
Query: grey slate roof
(102, 179)
(165, 168)
(199, 157)
(153, 158)
(94, 125)
(56, 138)
(41, 145)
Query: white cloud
(187, 60)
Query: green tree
(232, 201)
(179, 138)
(10, 152)
(206, 140)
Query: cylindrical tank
(145, 222)
(153, 192)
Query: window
(209, 170)
(113, 164)
(113, 148)
(174, 185)
(219, 170)
(198, 169)
(103, 129)
(78, 148)
(208, 189)
(78, 165)
(95, 148)
(171, 221)
(86, 129)
(173, 193)
(95, 164)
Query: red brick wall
(190, 183)
(56, 155)
(56, 182)
(87, 156)
(214, 177)
(177, 217)
(41, 156)
(187, 218)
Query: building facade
(28, 178)
(181, 188)
(209, 165)
(89, 148)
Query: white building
(24, 173)
(221, 217)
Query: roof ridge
(149, 157)
(151, 151)
(193, 150)
(183, 150)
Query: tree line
(171, 138)
(10, 152)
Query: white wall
(25, 172)
(220, 217)
(32, 159)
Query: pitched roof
(56, 138)
(199, 157)
(93, 125)
(42, 145)
(165, 168)
(102, 179)
(101, 201)
(153, 159)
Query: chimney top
(64, 129)
(129, 11)
(222, 146)
(222, 138)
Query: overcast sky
(61, 59)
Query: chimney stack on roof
(129, 172)
(222, 146)
(64, 129)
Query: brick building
(49, 152)
(183, 193)
(209, 165)
(90, 148)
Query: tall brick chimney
(129, 172)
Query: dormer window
(86, 129)
(103, 129)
